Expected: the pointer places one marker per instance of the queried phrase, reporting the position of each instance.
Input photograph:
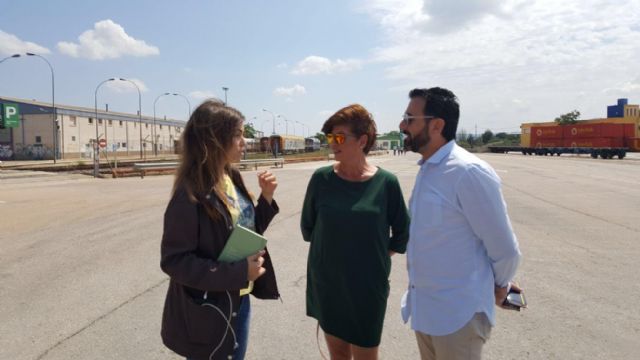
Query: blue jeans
(242, 328)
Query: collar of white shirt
(439, 155)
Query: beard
(415, 143)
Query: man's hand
(254, 265)
(268, 184)
(502, 292)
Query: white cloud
(282, 66)
(630, 87)
(11, 44)
(107, 40)
(436, 16)
(289, 92)
(624, 88)
(126, 87)
(442, 16)
(321, 65)
(541, 34)
(202, 95)
(545, 53)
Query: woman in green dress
(355, 218)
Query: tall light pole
(139, 110)
(96, 153)
(154, 142)
(53, 101)
(274, 120)
(302, 125)
(9, 57)
(188, 103)
(286, 125)
(155, 146)
(225, 89)
(53, 106)
(262, 126)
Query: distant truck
(604, 140)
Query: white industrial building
(74, 133)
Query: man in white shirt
(462, 253)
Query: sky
(508, 61)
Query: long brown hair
(204, 143)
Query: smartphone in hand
(515, 300)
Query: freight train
(251, 145)
(311, 144)
(282, 144)
(598, 139)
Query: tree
(395, 134)
(249, 131)
(487, 136)
(470, 140)
(501, 135)
(320, 136)
(568, 118)
(462, 135)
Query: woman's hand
(254, 264)
(268, 184)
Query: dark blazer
(190, 244)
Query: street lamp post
(139, 110)
(153, 142)
(53, 106)
(262, 126)
(96, 149)
(274, 120)
(53, 100)
(188, 103)
(9, 57)
(155, 139)
(302, 125)
(225, 89)
(96, 152)
(286, 125)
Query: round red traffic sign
(102, 143)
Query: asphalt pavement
(80, 276)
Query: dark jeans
(242, 328)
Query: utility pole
(225, 89)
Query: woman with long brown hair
(207, 308)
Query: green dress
(351, 227)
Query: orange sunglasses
(338, 138)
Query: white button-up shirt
(461, 242)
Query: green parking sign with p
(10, 115)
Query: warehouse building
(30, 132)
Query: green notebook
(242, 243)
